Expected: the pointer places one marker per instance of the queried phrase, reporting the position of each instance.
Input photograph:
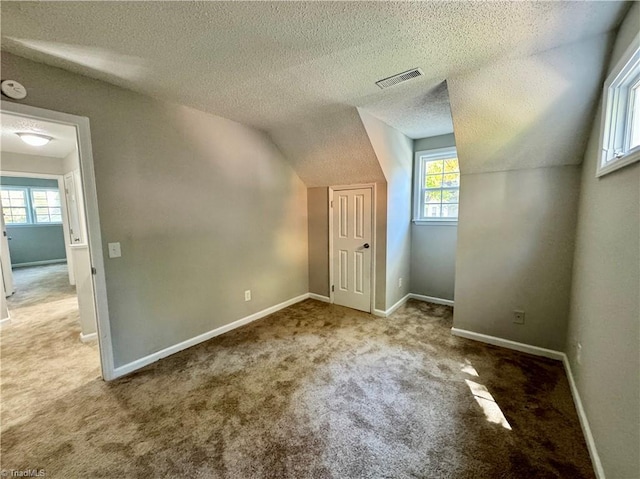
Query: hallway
(41, 349)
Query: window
(14, 206)
(437, 186)
(620, 132)
(46, 205)
(22, 205)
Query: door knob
(366, 246)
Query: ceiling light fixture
(34, 139)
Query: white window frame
(25, 191)
(29, 204)
(617, 116)
(418, 178)
(34, 215)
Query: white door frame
(5, 263)
(372, 187)
(81, 124)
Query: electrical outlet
(518, 317)
(579, 353)
(399, 282)
(247, 295)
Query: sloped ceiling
(299, 69)
(528, 112)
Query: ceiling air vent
(399, 78)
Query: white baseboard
(39, 263)
(5, 322)
(560, 356)
(152, 358)
(431, 299)
(419, 297)
(506, 343)
(319, 297)
(392, 309)
(87, 338)
(584, 422)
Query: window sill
(631, 157)
(31, 225)
(435, 222)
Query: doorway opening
(352, 246)
(54, 320)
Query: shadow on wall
(433, 242)
(223, 213)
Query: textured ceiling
(263, 62)
(538, 114)
(419, 111)
(288, 67)
(63, 143)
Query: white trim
(615, 94)
(436, 222)
(83, 131)
(584, 422)
(374, 237)
(506, 343)
(39, 263)
(87, 338)
(419, 297)
(5, 322)
(431, 299)
(319, 297)
(152, 358)
(392, 309)
(418, 176)
(557, 355)
(399, 303)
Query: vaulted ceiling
(298, 70)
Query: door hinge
(332, 203)
(333, 288)
(94, 270)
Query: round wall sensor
(13, 89)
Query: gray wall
(203, 207)
(433, 260)
(434, 142)
(395, 155)
(515, 252)
(318, 213)
(33, 243)
(31, 163)
(318, 231)
(605, 315)
(433, 247)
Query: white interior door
(352, 240)
(5, 258)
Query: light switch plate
(114, 250)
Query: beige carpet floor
(313, 391)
